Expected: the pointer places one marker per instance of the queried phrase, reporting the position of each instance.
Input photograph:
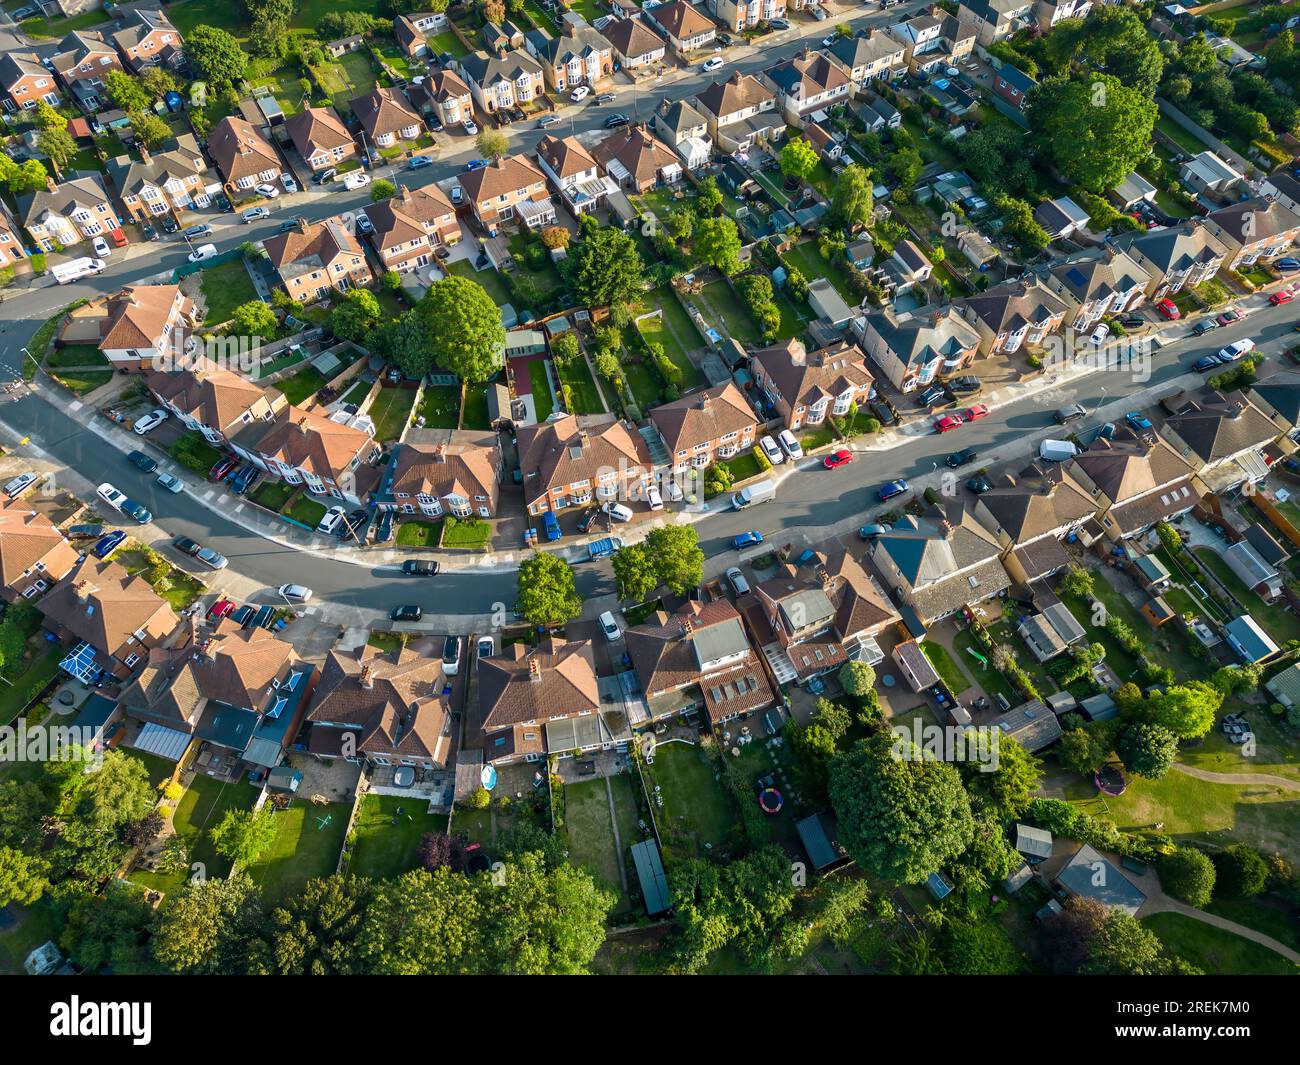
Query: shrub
(1242, 871)
(1187, 874)
(38, 263)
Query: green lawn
(647, 388)
(807, 259)
(271, 494)
(33, 925)
(224, 288)
(946, 666)
(40, 341)
(23, 688)
(306, 510)
(447, 42)
(725, 308)
(1279, 623)
(306, 846)
(388, 833)
(467, 535)
(586, 398)
(988, 678)
(489, 279)
(1215, 951)
(306, 382)
(1270, 914)
(188, 14)
(78, 355)
(84, 382)
(743, 466)
(418, 533)
(439, 406)
(475, 414)
(541, 389)
(391, 411)
(57, 27)
(590, 833)
(358, 392)
(696, 810)
(673, 329)
(356, 76)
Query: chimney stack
(367, 679)
(534, 670)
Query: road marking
(76, 404)
(239, 508)
(209, 493)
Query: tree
(126, 92)
(382, 190)
(1068, 935)
(906, 165)
(243, 835)
(47, 118)
(492, 144)
(1147, 749)
(1241, 872)
(972, 945)
(464, 329)
(315, 931)
(110, 929)
(215, 56)
(58, 146)
(406, 343)
(604, 268)
(1186, 710)
(565, 348)
(857, 679)
(158, 81)
(635, 573)
(798, 159)
(117, 793)
(1187, 874)
(1085, 750)
(1123, 947)
(149, 129)
(356, 315)
(438, 849)
(547, 593)
(853, 201)
(24, 878)
(1077, 582)
(676, 556)
(212, 927)
(1015, 777)
(424, 924)
(902, 815)
(717, 244)
(710, 196)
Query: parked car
(1279, 298)
(779, 24)
(1069, 414)
(964, 457)
(150, 422)
(295, 593)
(979, 484)
(774, 454)
(220, 609)
(356, 179)
(457, 195)
(211, 559)
(330, 520)
(101, 247)
(321, 177)
(407, 612)
(747, 539)
(18, 485)
(1234, 351)
(363, 224)
(948, 423)
(203, 251)
(1206, 363)
(588, 519)
(288, 182)
(1169, 310)
(470, 127)
(142, 462)
(871, 531)
(653, 499)
(1204, 326)
(1229, 316)
(486, 647)
(354, 525)
(1138, 421)
(580, 93)
(254, 213)
(605, 98)
(222, 468)
(975, 413)
(546, 121)
(609, 626)
(88, 531)
(420, 162)
(934, 396)
(186, 546)
(713, 63)
(420, 567)
(614, 121)
(737, 581)
(107, 544)
(171, 482)
(473, 164)
(838, 458)
(194, 232)
(965, 384)
(451, 656)
(240, 483)
(790, 444)
(616, 511)
(1132, 321)
(1100, 335)
(891, 489)
(267, 190)
(1287, 264)
(384, 530)
(135, 510)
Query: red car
(977, 412)
(1168, 310)
(1281, 297)
(220, 609)
(836, 459)
(947, 423)
(223, 467)
(118, 238)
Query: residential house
(444, 95)
(382, 708)
(1284, 187)
(906, 267)
(1254, 229)
(808, 82)
(1012, 86)
(699, 429)
(1206, 172)
(460, 479)
(69, 213)
(1136, 483)
(512, 187)
(386, 117)
(413, 31)
(698, 658)
(634, 159)
(996, 20)
(807, 387)
(83, 60)
(409, 228)
(634, 43)
(502, 82)
(1032, 724)
(538, 700)
(1061, 217)
(1225, 440)
(320, 137)
(741, 112)
(1031, 514)
(1095, 284)
(34, 556)
(314, 258)
(869, 57)
(934, 39)
(149, 39)
(145, 326)
(941, 562)
(685, 26)
(1278, 396)
(25, 82)
(213, 401)
(1176, 258)
(115, 619)
(580, 55)
(681, 126)
(574, 173)
(300, 447)
(1050, 12)
(11, 247)
(243, 156)
(741, 15)
(163, 184)
(915, 348)
(1014, 313)
(571, 463)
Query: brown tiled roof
(311, 246)
(137, 316)
(812, 72)
(383, 111)
(214, 397)
(79, 46)
(101, 603)
(663, 648)
(458, 469)
(631, 37)
(239, 150)
(702, 417)
(504, 177)
(1015, 305)
(560, 452)
(641, 154)
(317, 129)
(806, 377)
(526, 684)
(405, 217)
(440, 86)
(565, 155)
(1220, 430)
(26, 538)
(681, 20)
(861, 605)
(1038, 505)
(737, 93)
(1124, 471)
(306, 441)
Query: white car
(774, 454)
(269, 191)
(617, 511)
(150, 421)
(254, 213)
(789, 444)
(1099, 335)
(101, 247)
(470, 127)
(1236, 350)
(487, 646)
(580, 93)
(713, 63)
(20, 484)
(111, 495)
(610, 627)
(653, 498)
(296, 593)
(356, 180)
(289, 184)
(205, 251)
(331, 519)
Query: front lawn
(541, 382)
(271, 494)
(743, 466)
(388, 832)
(306, 511)
(306, 846)
(418, 533)
(467, 535)
(195, 453)
(76, 355)
(439, 406)
(225, 287)
(391, 411)
(83, 382)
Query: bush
(1242, 872)
(1187, 874)
(38, 263)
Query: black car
(961, 458)
(420, 567)
(384, 530)
(142, 462)
(1132, 321)
(965, 385)
(979, 484)
(186, 546)
(85, 532)
(410, 612)
(170, 225)
(588, 519)
(614, 121)
(354, 525)
(1204, 326)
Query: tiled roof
(468, 471)
(639, 153)
(737, 93)
(137, 316)
(101, 603)
(561, 452)
(26, 538)
(523, 684)
(565, 155)
(702, 417)
(239, 150)
(504, 177)
(632, 38)
(804, 378)
(384, 111)
(213, 396)
(681, 20)
(317, 129)
(311, 246)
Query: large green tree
(853, 200)
(215, 56)
(356, 315)
(126, 92)
(244, 835)
(1187, 874)
(604, 268)
(676, 556)
(547, 592)
(798, 159)
(212, 926)
(1147, 749)
(635, 573)
(317, 932)
(717, 244)
(1187, 710)
(464, 328)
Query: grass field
(1215, 951)
(306, 382)
(306, 845)
(224, 288)
(439, 406)
(390, 411)
(388, 831)
(475, 414)
(696, 811)
(76, 355)
(675, 331)
(355, 76)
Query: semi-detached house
(1095, 284)
(699, 429)
(25, 82)
(212, 401)
(300, 447)
(808, 82)
(457, 478)
(741, 15)
(634, 43)
(509, 188)
(869, 57)
(742, 112)
(1013, 314)
(580, 55)
(34, 555)
(915, 348)
(320, 137)
(386, 117)
(808, 387)
(145, 326)
(571, 463)
(69, 213)
(685, 26)
(574, 173)
(1254, 229)
(499, 82)
(82, 62)
(149, 39)
(315, 258)
(407, 229)
(166, 183)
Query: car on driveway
(965, 385)
(406, 612)
(186, 546)
(171, 482)
(789, 444)
(961, 458)
(580, 93)
(1206, 363)
(836, 459)
(947, 423)
(1287, 264)
(220, 609)
(89, 531)
(295, 593)
(150, 421)
(1279, 298)
(747, 539)
(101, 247)
(451, 647)
(473, 164)
(588, 519)
(870, 532)
(774, 454)
(609, 626)
(1169, 310)
(979, 484)
(1132, 321)
(891, 489)
(1230, 316)
(356, 179)
(222, 468)
(142, 462)
(330, 520)
(1138, 421)
(1099, 335)
(737, 580)
(269, 191)
(108, 543)
(486, 647)
(384, 528)
(364, 225)
(975, 413)
(288, 182)
(240, 483)
(779, 24)
(18, 485)
(470, 127)
(254, 213)
(329, 174)
(616, 511)
(420, 567)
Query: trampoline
(770, 801)
(1110, 779)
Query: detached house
(634, 43)
(501, 82)
(698, 657)
(869, 57)
(634, 159)
(686, 28)
(1096, 284)
(1135, 483)
(314, 258)
(386, 117)
(1013, 314)
(83, 60)
(34, 556)
(808, 82)
(580, 55)
(917, 347)
(574, 173)
(320, 137)
(566, 463)
(698, 429)
(212, 401)
(145, 326)
(303, 448)
(742, 112)
(1254, 229)
(1176, 258)
(413, 31)
(806, 388)
(511, 187)
(167, 183)
(149, 39)
(443, 95)
(25, 82)
(741, 15)
(539, 700)
(1030, 514)
(1225, 440)
(407, 229)
(243, 156)
(457, 479)
(69, 213)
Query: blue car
(1138, 421)
(1206, 363)
(1288, 264)
(108, 543)
(476, 164)
(142, 462)
(419, 162)
(245, 477)
(551, 525)
(749, 539)
(890, 490)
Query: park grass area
(391, 411)
(807, 259)
(306, 511)
(541, 382)
(946, 666)
(1214, 950)
(439, 406)
(490, 280)
(307, 844)
(582, 387)
(475, 412)
(418, 533)
(388, 832)
(306, 382)
(1279, 623)
(225, 287)
(271, 494)
(467, 534)
(696, 817)
(1274, 753)
(77, 356)
(83, 382)
(590, 831)
(723, 306)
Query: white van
(758, 492)
(203, 251)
